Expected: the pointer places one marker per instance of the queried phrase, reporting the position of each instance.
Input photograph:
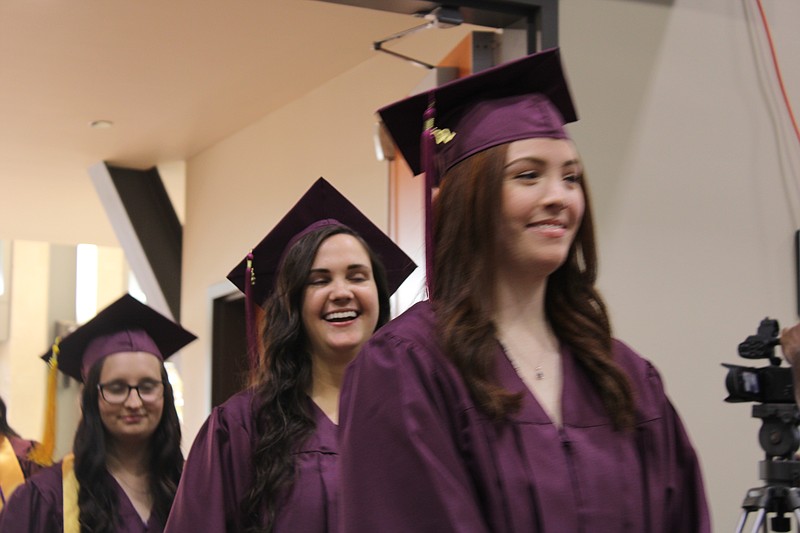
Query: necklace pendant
(539, 373)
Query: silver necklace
(538, 369)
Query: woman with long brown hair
(503, 403)
(267, 459)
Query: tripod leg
(760, 520)
(742, 521)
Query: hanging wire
(780, 107)
(777, 67)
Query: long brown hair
(280, 382)
(97, 500)
(466, 216)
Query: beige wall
(78, 215)
(23, 374)
(696, 213)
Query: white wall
(696, 214)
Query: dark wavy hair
(5, 428)
(466, 216)
(97, 499)
(283, 377)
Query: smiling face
(133, 420)
(340, 301)
(542, 205)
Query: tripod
(780, 438)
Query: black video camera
(770, 384)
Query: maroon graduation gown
(218, 474)
(38, 507)
(21, 449)
(417, 455)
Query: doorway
(229, 365)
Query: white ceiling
(174, 76)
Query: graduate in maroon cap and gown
(15, 465)
(267, 459)
(503, 404)
(126, 460)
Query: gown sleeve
(216, 474)
(401, 468)
(35, 506)
(22, 448)
(689, 509)
(671, 465)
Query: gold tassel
(42, 452)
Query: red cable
(778, 70)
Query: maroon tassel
(427, 155)
(250, 313)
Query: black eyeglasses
(118, 392)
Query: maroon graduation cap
(321, 205)
(127, 325)
(522, 99)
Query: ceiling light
(101, 124)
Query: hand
(790, 344)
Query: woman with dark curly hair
(503, 403)
(15, 465)
(126, 460)
(267, 459)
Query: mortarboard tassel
(250, 312)
(42, 453)
(427, 156)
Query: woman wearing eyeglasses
(126, 461)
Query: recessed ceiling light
(101, 124)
